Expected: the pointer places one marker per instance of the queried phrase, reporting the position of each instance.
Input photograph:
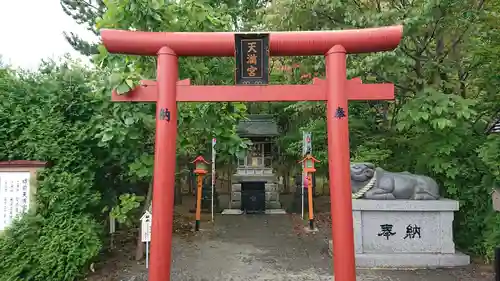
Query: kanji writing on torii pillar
(336, 90)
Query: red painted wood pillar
(338, 165)
(164, 166)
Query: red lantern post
(200, 169)
(309, 169)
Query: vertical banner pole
(147, 254)
(306, 145)
(214, 141)
(302, 195)
(303, 175)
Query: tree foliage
(86, 13)
(445, 78)
(198, 122)
(48, 116)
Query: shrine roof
(22, 163)
(258, 125)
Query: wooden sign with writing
(495, 196)
(252, 58)
(17, 189)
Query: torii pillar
(336, 91)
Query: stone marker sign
(405, 233)
(495, 197)
(400, 220)
(401, 231)
(17, 187)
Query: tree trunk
(178, 182)
(286, 181)
(190, 182)
(178, 193)
(230, 178)
(139, 252)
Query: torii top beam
(221, 44)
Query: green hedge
(57, 247)
(53, 115)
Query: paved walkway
(275, 247)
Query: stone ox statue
(370, 182)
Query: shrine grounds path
(276, 247)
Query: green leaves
(62, 114)
(446, 79)
(436, 109)
(489, 152)
(142, 167)
(127, 210)
(56, 247)
(199, 122)
(121, 82)
(123, 88)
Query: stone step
(232, 212)
(273, 205)
(275, 212)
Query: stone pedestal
(405, 233)
(255, 174)
(272, 196)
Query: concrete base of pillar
(409, 260)
(240, 212)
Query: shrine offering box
(17, 189)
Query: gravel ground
(273, 247)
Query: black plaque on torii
(252, 58)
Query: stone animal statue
(370, 182)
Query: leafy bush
(57, 247)
(50, 115)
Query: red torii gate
(336, 90)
